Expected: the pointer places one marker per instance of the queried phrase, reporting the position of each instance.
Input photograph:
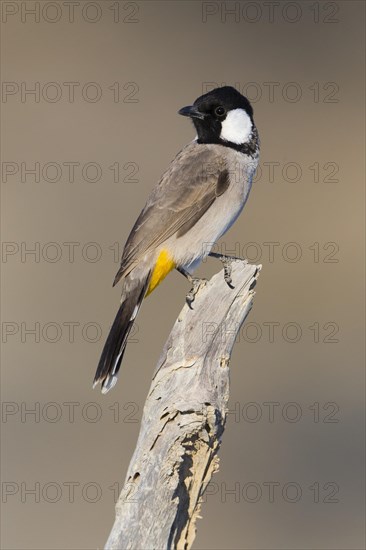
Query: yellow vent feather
(164, 264)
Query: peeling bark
(183, 420)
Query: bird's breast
(199, 240)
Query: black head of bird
(222, 116)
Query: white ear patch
(236, 127)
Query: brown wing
(187, 189)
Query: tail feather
(114, 348)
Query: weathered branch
(183, 420)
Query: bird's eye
(219, 111)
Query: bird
(197, 199)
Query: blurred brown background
(108, 78)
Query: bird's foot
(226, 262)
(196, 285)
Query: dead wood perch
(183, 420)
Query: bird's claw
(227, 270)
(196, 285)
(226, 262)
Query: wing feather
(185, 192)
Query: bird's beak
(192, 112)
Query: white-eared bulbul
(195, 202)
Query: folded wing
(195, 178)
